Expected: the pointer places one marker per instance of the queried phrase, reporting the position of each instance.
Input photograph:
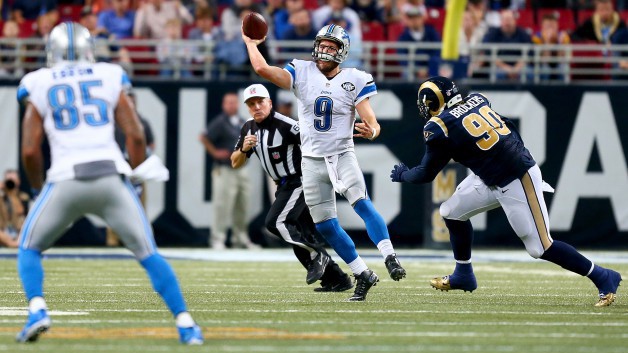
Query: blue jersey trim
(367, 90)
(291, 70)
(22, 93)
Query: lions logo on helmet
(336, 34)
(69, 41)
(436, 93)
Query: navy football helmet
(435, 94)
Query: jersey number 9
(323, 107)
(65, 113)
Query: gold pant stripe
(535, 208)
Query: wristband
(374, 133)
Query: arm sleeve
(432, 163)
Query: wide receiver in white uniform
(328, 97)
(76, 104)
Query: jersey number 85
(65, 113)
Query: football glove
(396, 175)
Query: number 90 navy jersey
(474, 135)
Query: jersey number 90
(488, 125)
(65, 113)
(323, 107)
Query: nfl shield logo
(276, 155)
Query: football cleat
(316, 268)
(608, 289)
(36, 324)
(340, 285)
(394, 267)
(364, 282)
(446, 283)
(190, 335)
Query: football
(254, 26)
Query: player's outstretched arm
(130, 124)
(369, 127)
(433, 162)
(32, 138)
(274, 74)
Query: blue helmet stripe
(70, 29)
(331, 28)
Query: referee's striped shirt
(277, 147)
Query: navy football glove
(396, 174)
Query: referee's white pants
(230, 190)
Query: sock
(567, 257)
(598, 275)
(31, 272)
(375, 225)
(338, 239)
(184, 319)
(358, 266)
(463, 269)
(385, 247)
(36, 304)
(165, 283)
(461, 238)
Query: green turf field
(108, 306)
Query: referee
(275, 139)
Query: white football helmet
(334, 33)
(69, 41)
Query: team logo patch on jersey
(276, 155)
(427, 134)
(348, 86)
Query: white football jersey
(77, 102)
(327, 106)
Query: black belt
(286, 179)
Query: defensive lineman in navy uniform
(505, 174)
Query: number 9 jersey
(76, 102)
(472, 134)
(327, 106)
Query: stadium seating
(69, 12)
(394, 30)
(373, 31)
(436, 18)
(28, 28)
(525, 19)
(590, 55)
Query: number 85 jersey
(474, 135)
(327, 106)
(76, 102)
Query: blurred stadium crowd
(520, 40)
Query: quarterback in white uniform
(328, 98)
(76, 103)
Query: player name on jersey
(471, 103)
